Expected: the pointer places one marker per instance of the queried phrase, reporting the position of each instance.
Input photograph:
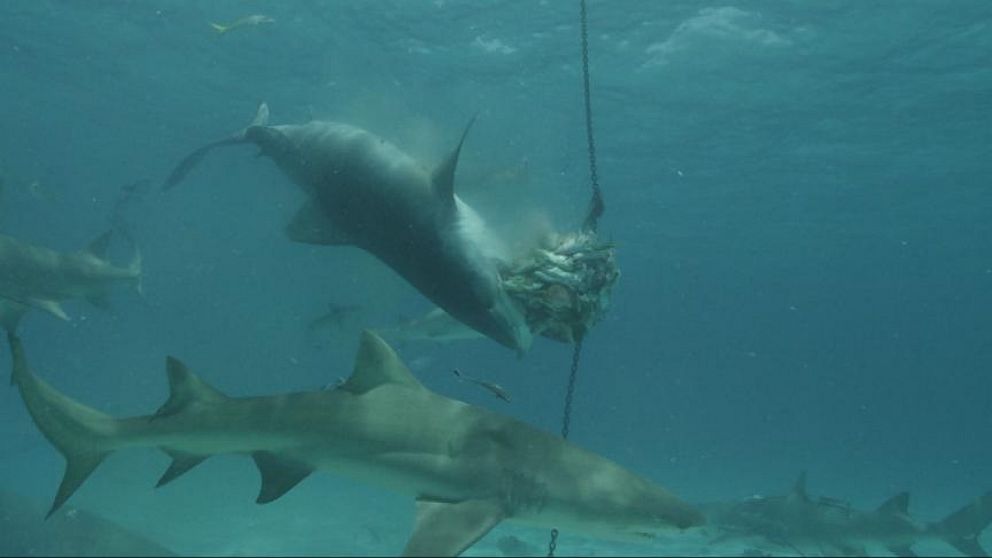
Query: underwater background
(799, 194)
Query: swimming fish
(493, 388)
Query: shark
(467, 468)
(436, 325)
(364, 191)
(33, 276)
(802, 525)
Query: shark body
(364, 191)
(39, 277)
(797, 523)
(468, 468)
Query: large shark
(797, 523)
(39, 277)
(468, 468)
(366, 192)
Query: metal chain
(591, 223)
(596, 205)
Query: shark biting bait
(564, 286)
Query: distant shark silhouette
(468, 468)
(38, 277)
(798, 523)
(363, 191)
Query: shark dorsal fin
(98, 247)
(896, 505)
(377, 364)
(443, 178)
(185, 388)
(799, 489)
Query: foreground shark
(366, 192)
(799, 524)
(468, 468)
(39, 277)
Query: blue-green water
(798, 191)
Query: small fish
(493, 388)
(243, 22)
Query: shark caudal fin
(84, 436)
(220, 29)
(962, 528)
(190, 161)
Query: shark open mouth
(564, 286)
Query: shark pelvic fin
(377, 364)
(311, 226)
(279, 475)
(182, 462)
(185, 389)
(896, 505)
(447, 529)
(443, 178)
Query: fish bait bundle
(564, 287)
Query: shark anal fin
(78, 467)
(185, 388)
(279, 475)
(443, 179)
(182, 462)
(447, 529)
(311, 226)
(896, 505)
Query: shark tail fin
(962, 528)
(84, 436)
(220, 29)
(189, 162)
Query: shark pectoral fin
(185, 388)
(50, 306)
(447, 529)
(279, 475)
(902, 550)
(311, 226)
(182, 462)
(377, 364)
(443, 178)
